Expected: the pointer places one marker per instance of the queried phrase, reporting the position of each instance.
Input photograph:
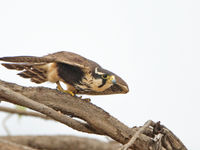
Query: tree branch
(49, 102)
(23, 112)
(136, 135)
(61, 143)
(19, 99)
(7, 145)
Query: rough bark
(7, 145)
(62, 107)
(61, 143)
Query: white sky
(152, 44)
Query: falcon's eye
(104, 76)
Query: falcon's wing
(62, 57)
(26, 59)
(71, 59)
(31, 65)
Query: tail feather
(16, 66)
(37, 80)
(25, 74)
(26, 59)
(32, 71)
(35, 72)
(34, 78)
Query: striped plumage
(36, 74)
(81, 75)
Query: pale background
(153, 45)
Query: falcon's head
(101, 82)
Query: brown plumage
(81, 75)
(36, 74)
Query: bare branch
(4, 123)
(136, 135)
(7, 145)
(61, 143)
(23, 112)
(58, 105)
(22, 100)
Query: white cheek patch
(97, 72)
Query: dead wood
(7, 145)
(23, 112)
(61, 143)
(62, 107)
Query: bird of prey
(81, 75)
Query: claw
(68, 92)
(59, 87)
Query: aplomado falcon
(81, 75)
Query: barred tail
(36, 74)
(31, 59)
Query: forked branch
(62, 108)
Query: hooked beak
(118, 83)
(124, 87)
(120, 86)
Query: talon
(59, 87)
(69, 92)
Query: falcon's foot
(59, 87)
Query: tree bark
(7, 145)
(61, 143)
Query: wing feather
(26, 59)
(63, 57)
(72, 59)
(36, 74)
(28, 64)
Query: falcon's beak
(124, 87)
(121, 84)
(112, 79)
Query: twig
(158, 139)
(4, 123)
(23, 112)
(136, 135)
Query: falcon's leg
(70, 90)
(59, 87)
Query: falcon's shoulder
(72, 59)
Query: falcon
(79, 74)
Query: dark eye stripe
(103, 83)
